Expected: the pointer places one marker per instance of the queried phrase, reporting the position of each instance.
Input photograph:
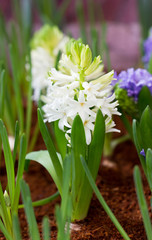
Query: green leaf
(97, 143)
(146, 128)
(42, 157)
(150, 65)
(46, 228)
(16, 140)
(52, 152)
(142, 203)
(80, 15)
(8, 161)
(66, 186)
(23, 148)
(33, 229)
(16, 84)
(16, 228)
(29, 101)
(61, 140)
(78, 147)
(2, 92)
(94, 158)
(149, 166)
(43, 201)
(144, 9)
(4, 212)
(4, 231)
(138, 144)
(102, 201)
(144, 99)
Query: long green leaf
(97, 143)
(146, 128)
(149, 166)
(43, 158)
(80, 16)
(138, 145)
(33, 229)
(144, 99)
(51, 149)
(5, 232)
(16, 83)
(8, 161)
(61, 11)
(102, 201)
(46, 228)
(16, 228)
(144, 9)
(78, 147)
(66, 186)
(23, 148)
(29, 102)
(16, 141)
(142, 203)
(2, 92)
(61, 140)
(43, 201)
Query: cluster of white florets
(79, 87)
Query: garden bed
(115, 181)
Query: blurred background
(116, 22)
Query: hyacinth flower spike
(82, 108)
(45, 46)
(133, 90)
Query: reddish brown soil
(115, 181)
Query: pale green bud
(73, 50)
(76, 51)
(47, 37)
(7, 199)
(68, 46)
(70, 43)
(86, 56)
(94, 65)
(105, 80)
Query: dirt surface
(115, 181)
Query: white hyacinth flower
(46, 44)
(80, 87)
(41, 62)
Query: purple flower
(147, 49)
(142, 153)
(133, 81)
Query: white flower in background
(45, 46)
(41, 62)
(79, 87)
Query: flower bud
(86, 57)
(7, 199)
(76, 50)
(94, 65)
(47, 37)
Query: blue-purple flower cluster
(147, 45)
(133, 81)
